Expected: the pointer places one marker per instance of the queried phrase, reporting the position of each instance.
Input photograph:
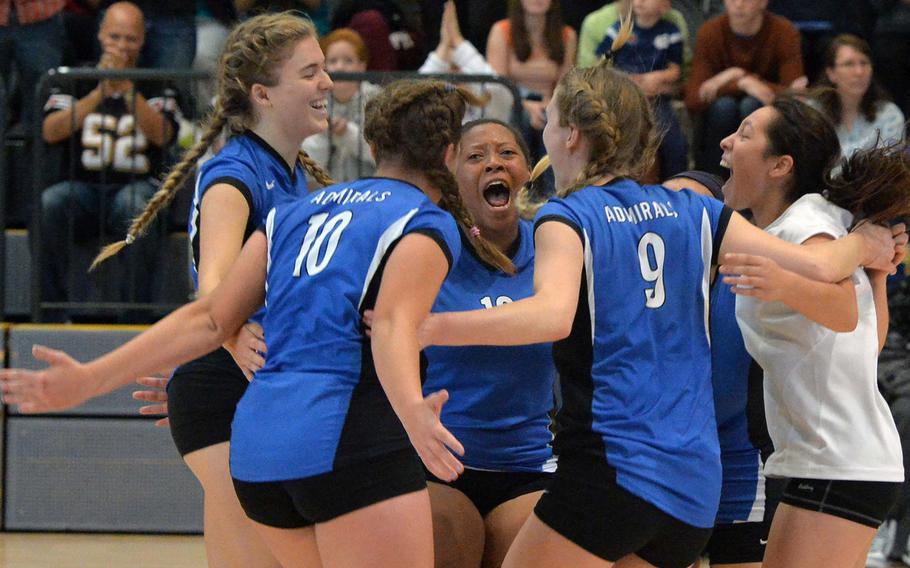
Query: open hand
(157, 396)
(64, 384)
(248, 349)
(433, 442)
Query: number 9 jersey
(317, 404)
(636, 369)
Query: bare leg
(392, 533)
(539, 545)
(810, 539)
(502, 525)
(230, 539)
(294, 548)
(457, 528)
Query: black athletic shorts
(585, 505)
(864, 502)
(490, 489)
(201, 398)
(303, 502)
(742, 543)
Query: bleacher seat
(98, 467)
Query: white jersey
(825, 414)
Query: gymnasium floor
(28, 550)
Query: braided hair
(412, 123)
(252, 54)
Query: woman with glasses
(855, 102)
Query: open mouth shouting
(497, 194)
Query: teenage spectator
(120, 132)
(389, 29)
(742, 59)
(856, 103)
(341, 149)
(319, 11)
(892, 49)
(455, 54)
(594, 30)
(31, 34)
(474, 19)
(534, 48)
(653, 57)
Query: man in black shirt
(117, 135)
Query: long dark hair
(872, 184)
(828, 96)
(552, 33)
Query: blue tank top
(635, 371)
(250, 164)
(499, 397)
(318, 404)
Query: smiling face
(746, 155)
(490, 168)
(851, 73)
(299, 98)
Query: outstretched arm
(545, 316)
(410, 282)
(190, 332)
(869, 245)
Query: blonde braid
(319, 174)
(528, 205)
(172, 183)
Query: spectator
(170, 33)
(455, 54)
(742, 59)
(120, 133)
(856, 103)
(474, 19)
(341, 149)
(653, 57)
(389, 29)
(595, 26)
(892, 49)
(31, 34)
(534, 48)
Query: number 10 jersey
(317, 405)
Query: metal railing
(41, 154)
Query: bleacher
(97, 467)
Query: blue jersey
(635, 371)
(317, 404)
(499, 397)
(740, 409)
(248, 163)
(649, 49)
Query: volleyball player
(317, 452)
(272, 93)
(622, 270)
(499, 397)
(747, 498)
(834, 437)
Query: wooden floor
(19, 550)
